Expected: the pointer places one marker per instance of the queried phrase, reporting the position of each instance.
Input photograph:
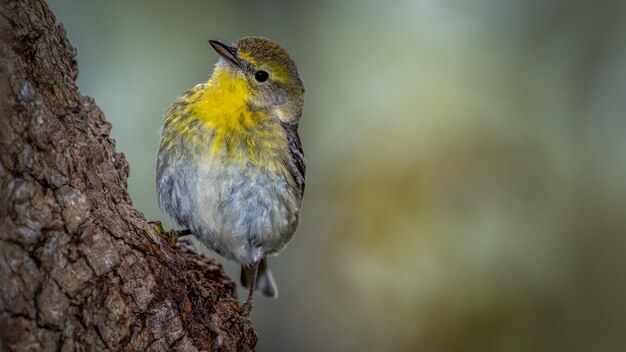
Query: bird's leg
(246, 308)
(170, 236)
(181, 233)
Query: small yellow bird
(230, 165)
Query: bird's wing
(297, 162)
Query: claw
(170, 236)
(158, 227)
(245, 309)
(242, 312)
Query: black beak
(226, 51)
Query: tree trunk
(80, 268)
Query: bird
(230, 166)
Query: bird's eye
(261, 76)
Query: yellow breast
(216, 121)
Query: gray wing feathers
(297, 162)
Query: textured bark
(80, 268)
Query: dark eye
(261, 76)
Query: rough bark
(80, 268)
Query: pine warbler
(230, 166)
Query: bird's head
(270, 76)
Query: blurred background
(466, 182)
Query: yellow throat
(215, 120)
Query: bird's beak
(226, 51)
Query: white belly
(241, 213)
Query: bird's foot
(170, 236)
(245, 309)
(242, 312)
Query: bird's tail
(264, 279)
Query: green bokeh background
(466, 182)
